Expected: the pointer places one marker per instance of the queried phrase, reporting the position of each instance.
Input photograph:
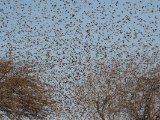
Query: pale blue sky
(72, 31)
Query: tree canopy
(23, 96)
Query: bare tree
(139, 93)
(121, 91)
(98, 92)
(23, 96)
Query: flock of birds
(67, 37)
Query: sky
(50, 25)
(74, 34)
(69, 33)
(69, 30)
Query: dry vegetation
(23, 96)
(101, 56)
(114, 91)
(118, 91)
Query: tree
(23, 96)
(139, 95)
(98, 92)
(121, 91)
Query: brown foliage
(129, 91)
(5, 67)
(140, 98)
(22, 96)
